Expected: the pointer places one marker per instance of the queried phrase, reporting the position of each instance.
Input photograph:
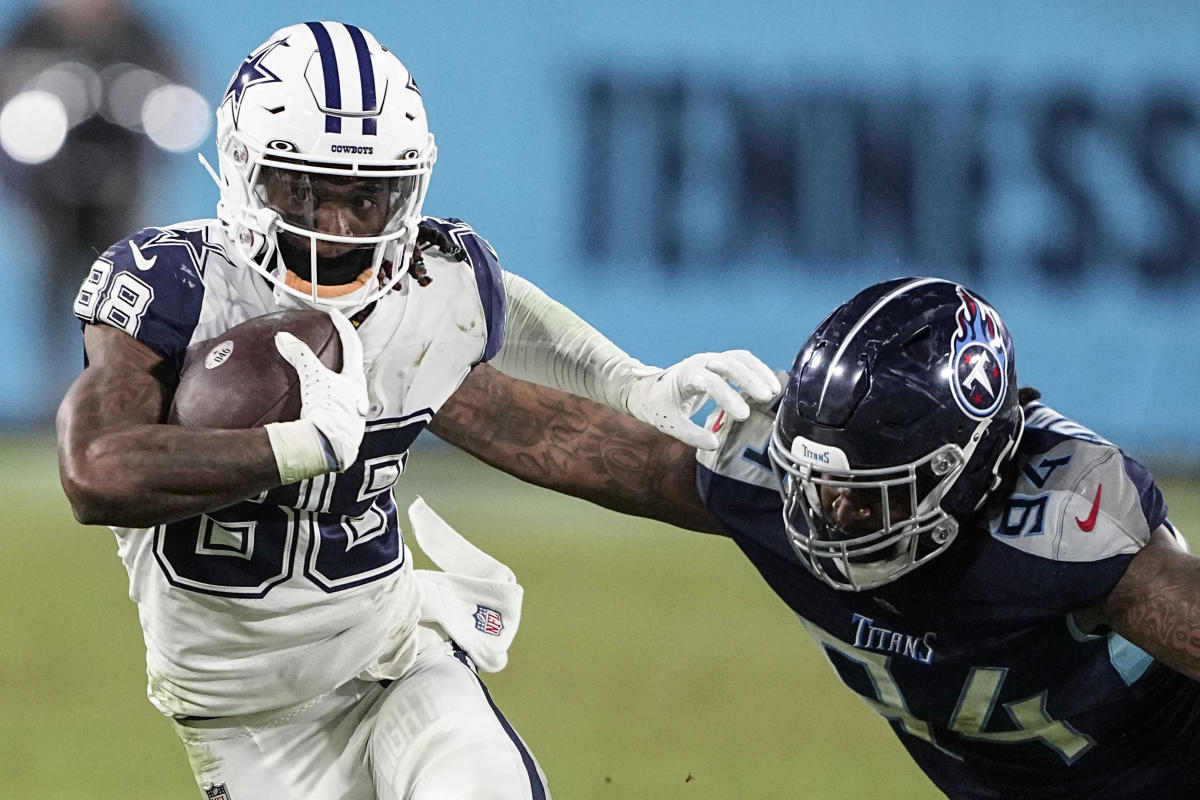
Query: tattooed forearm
(1156, 605)
(1170, 624)
(573, 445)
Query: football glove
(668, 398)
(333, 408)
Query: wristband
(299, 450)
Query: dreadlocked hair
(1027, 394)
(416, 268)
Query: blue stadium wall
(706, 175)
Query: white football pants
(433, 734)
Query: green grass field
(651, 663)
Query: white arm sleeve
(548, 344)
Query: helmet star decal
(978, 359)
(250, 73)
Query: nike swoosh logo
(139, 260)
(1086, 525)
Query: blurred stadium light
(33, 126)
(92, 103)
(176, 118)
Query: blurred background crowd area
(688, 176)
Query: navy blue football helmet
(898, 416)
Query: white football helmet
(325, 155)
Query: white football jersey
(290, 594)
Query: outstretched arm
(548, 344)
(575, 446)
(1156, 604)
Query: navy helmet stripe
(366, 75)
(329, 68)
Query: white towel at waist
(475, 599)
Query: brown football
(239, 379)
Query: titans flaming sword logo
(978, 358)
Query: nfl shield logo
(488, 620)
(216, 791)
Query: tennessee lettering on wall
(1059, 177)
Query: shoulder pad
(742, 453)
(151, 285)
(485, 264)
(1081, 500)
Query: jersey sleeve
(737, 484)
(486, 265)
(1082, 509)
(1150, 498)
(148, 286)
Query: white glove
(332, 405)
(667, 398)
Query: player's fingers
(744, 369)
(761, 371)
(352, 357)
(724, 395)
(294, 351)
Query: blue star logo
(196, 242)
(250, 73)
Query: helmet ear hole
(239, 153)
(944, 462)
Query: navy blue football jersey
(975, 659)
